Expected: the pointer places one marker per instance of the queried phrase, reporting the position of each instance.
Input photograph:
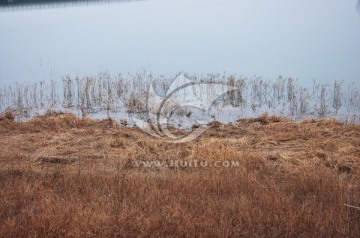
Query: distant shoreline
(18, 3)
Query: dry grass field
(63, 176)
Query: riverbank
(65, 176)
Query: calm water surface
(301, 38)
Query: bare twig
(347, 205)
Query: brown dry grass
(64, 176)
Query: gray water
(300, 38)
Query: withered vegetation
(65, 176)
